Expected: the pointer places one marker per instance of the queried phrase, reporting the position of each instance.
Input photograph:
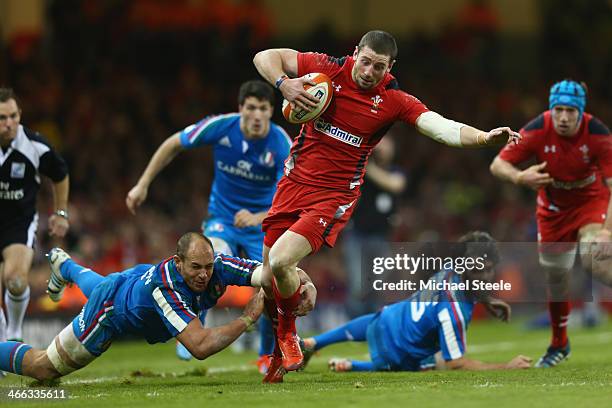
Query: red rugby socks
(286, 306)
(559, 315)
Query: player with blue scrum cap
(573, 178)
(248, 154)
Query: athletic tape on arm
(256, 276)
(439, 128)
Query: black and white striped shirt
(27, 157)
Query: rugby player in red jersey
(573, 177)
(328, 158)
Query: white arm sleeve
(439, 128)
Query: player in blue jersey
(405, 335)
(248, 154)
(155, 302)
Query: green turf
(231, 379)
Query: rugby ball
(323, 91)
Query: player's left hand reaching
(502, 135)
(499, 309)
(58, 226)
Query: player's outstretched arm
(164, 154)
(463, 363)
(458, 134)
(203, 343)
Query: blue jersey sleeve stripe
(204, 126)
(238, 265)
(235, 271)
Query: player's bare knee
(280, 262)
(16, 281)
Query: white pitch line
(89, 380)
(242, 367)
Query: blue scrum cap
(569, 93)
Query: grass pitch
(134, 374)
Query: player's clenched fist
(308, 298)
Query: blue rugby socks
(85, 278)
(362, 365)
(355, 330)
(11, 356)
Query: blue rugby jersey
(154, 302)
(427, 322)
(246, 171)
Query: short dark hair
(259, 89)
(6, 94)
(182, 246)
(482, 244)
(381, 42)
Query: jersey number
(148, 275)
(418, 309)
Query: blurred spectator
(368, 234)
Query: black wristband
(280, 80)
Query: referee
(24, 156)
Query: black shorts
(21, 231)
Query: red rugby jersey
(333, 150)
(578, 164)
